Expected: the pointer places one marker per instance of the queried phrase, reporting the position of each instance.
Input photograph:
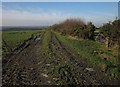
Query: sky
(60, 0)
(49, 13)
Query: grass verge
(45, 42)
(13, 39)
(91, 51)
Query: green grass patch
(13, 39)
(90, 50)
(45, 42)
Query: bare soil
(62, 66)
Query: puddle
(48, 64)
(45, 75)
(49, 81)
(90, 69)
(37, 39)
(39, 63)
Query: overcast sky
(44, 13)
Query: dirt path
(73, 69)
(26, 67)
(62, 66)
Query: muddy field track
(24, 68)
(61, 66)
(74, 69)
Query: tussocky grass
(94, 53)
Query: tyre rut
(77, 66)
(62, 67)
(24, 68)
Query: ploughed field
(49, 58)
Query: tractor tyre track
(25, 68)
(77, 66)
